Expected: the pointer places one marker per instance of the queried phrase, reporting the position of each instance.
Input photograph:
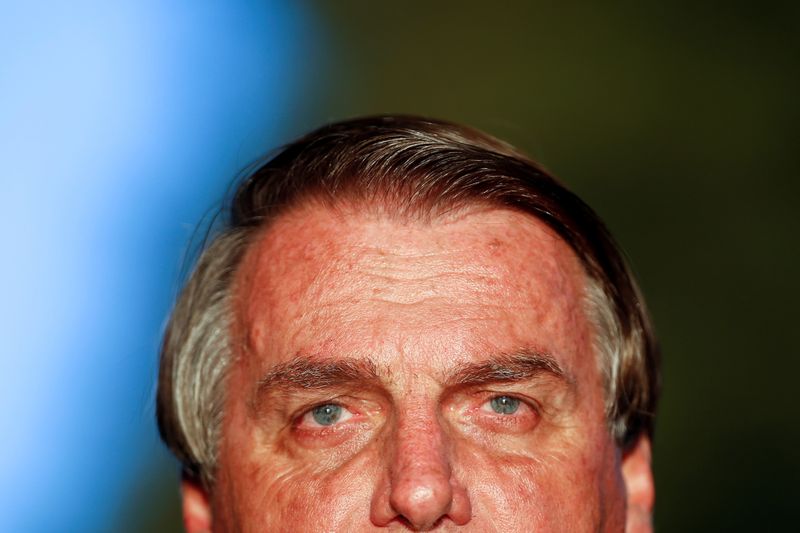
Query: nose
(419, 488)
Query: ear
(196, 507)
(637, 474)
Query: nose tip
(422, 498)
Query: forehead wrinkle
(382, 279)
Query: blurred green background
(678, 123)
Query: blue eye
(504, 405)
(327, 415)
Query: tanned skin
(406, 375)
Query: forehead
(354, 284)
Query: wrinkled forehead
(314, 264)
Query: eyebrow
(520, 365)
(313, 373)
(309, 373)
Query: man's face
(417, 375)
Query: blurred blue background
(123, 124)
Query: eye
(325, 415)
(504, 405)
(505, 413)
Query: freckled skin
(418, 299)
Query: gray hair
(410, 166)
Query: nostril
(413, 527)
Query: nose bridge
(420, 443)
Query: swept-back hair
(408, 166)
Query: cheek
(542, 491)
(270, 496)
